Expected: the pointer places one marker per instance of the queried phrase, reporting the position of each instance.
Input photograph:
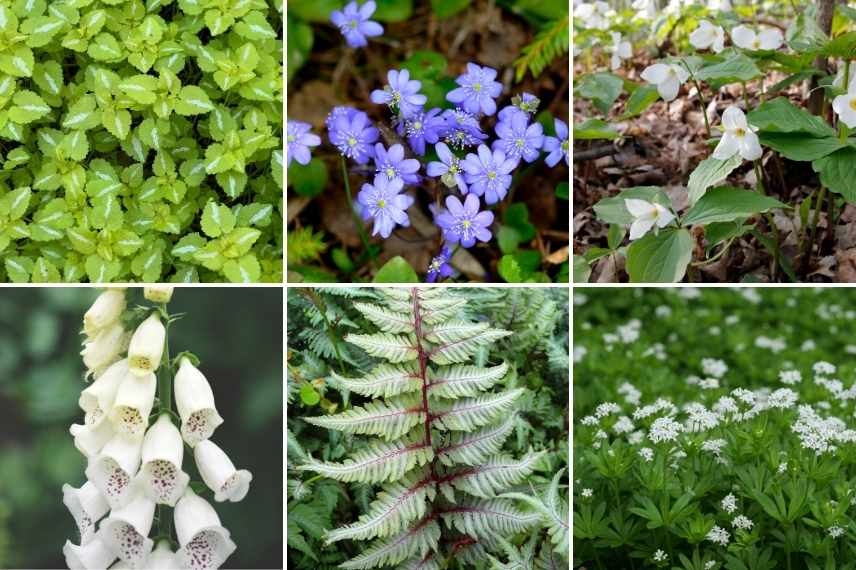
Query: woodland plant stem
(363, 236)
(703, 105)
(818, 206)
(774, 232)
(165, 407)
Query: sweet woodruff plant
(139, 412)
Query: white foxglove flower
(94, 555)
(668, 77)
(219, 472)
(87, 506)
(97, 399)
(620, 50)
(739, 136)
(104, 348)
(204, 542)
(161, 477)
(162, 558)
(113, 469)
(746, 38)
(126, 530)
(146, 349)
(845, 106)
(195, 402)
(645, 216)
(134, 401)
(706, 35)
(158, 293)
(89, 439)
(105, 311)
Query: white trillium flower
(200, 534)
(97, 399)
(646, 9)
(706, 35)
(594, 15)
(162, 558)
(105, 311)
(219, 472)
(134, 401)
(146, 348)
(87, 506)
(104, 348)
(158, 293)
(94, 555)
(845, 106)
(746, 38)
(195, 402)
(126, 530)
(113, 469)
(620, 50)
(89, 439)
(739, 136)
(645, 216)
(161, 477)
(720, 5)
(668, 77)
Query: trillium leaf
(660, 258)
(726, 204)
(193, 101)
(28, 107)
(710, 171)
(836, 172)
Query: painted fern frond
(470, 413)
(463, 348)
(386, 320)
(554, 513)
(427, 562)
(495, 474)
(394, 348)
(549, 43)
(385, 381)
(474, 447)
(416, 541)
(487, 517)
(463, 381)
(389, 421)
(376, 464)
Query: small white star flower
(586, 493)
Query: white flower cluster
(664, 429)
(625, 334)
(774, 345)
(132, 466)
(742, 522)
(719, 536)
(714, 367)
(790, 377)
(729, 503)
(821, 434)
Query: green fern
(305, 245)
(550, 43)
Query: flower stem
(703, 105)
(357, 222)
(774, 233)
(814, 220)
(165, 407)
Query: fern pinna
(440, 423)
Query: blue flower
(518, 139)
(463, 222)
(488, 174)
(402, 93)
(353, 134)
(299, 140)
(341, 111)
(557, 146)
(526, 104)
(382, 202)
(439, 266)
(477, 90)
(462, 128)
(392, 164)
(423, 127)
(354, 23)
(449, 169)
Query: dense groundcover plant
(141, 140)
(714, 429)
(438, 395)
(142, 408)
(772, 88)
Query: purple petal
(338, 18)
(437, 169)
(356, 39)
(483, 234)
(456, 95)
(488, 106)
(483, 219)
(561, 128)
(367, 9)
(468, 241)
(301, 155)
(503, 130)
(396, 153)
(445, 220)
(473, 69)
(379, 96)
(485, 155)
(454, 205)
(371, 29)
(409, 166)
(444, 153)
(471, 205)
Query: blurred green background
(237, 334)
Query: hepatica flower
(392, 164)
(706, 35)
(462, 128)
(353, 21)
(401, 93)
(668, 77)
(382, 202)
(299, 139)
(557, 146)
(449, 169)
(746, 38)
(526, 104)
(439, 268)
(738, 137)
(646, 215)
(353, 134)
(463, 223)
(477, 90)
(488, 173)
(518, 139)
(422, 127)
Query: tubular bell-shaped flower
(87, 506)
(90, 556)
(126, 530)
(89, 439)
(104, 348)
(163, 293)
(204, 542)
(134, 401)
(162, 558)
(97, 399)
(219, 473)
(112, 470)
(195, 401)
(105, 311)
(161, 477)
(146, 349)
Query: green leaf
(396, 270)
(14, 204)
(99, 270)
(563, 191)
(105, 48)
(75, 146)
(425, 65)
(243, 270)
(709, 172)
(641, 98)
(28, 107)
(517, 216)
(217, 220)
(45, 272)
(18, 269)
(308, 180)
(726, 204)
(140, 88)
(582, 270)
(148, 265)
(508, 239)
(193, 101)
(308, 395)
(660, 258)
(83, 114)
(781, 116)
(106, 213)
(41, 30)
(797, 146)
(82, 240)
(736, 68)
(48, 76)
(217, 21)
(300, 40)
(601, 88)
(509, 269)
(594, 129)
(836, 172)
(255, 27)
(446, 8)
(117, 123)
(188, 245)
(232, 183)
(393, 10)
(614, 211)
(150, 134)
(18, 62)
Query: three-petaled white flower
(645, 216)
(746, 38)
(738, 137)
(845, 105)
(706, 35)
(620, 50)
(668, 77)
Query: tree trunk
(825, 10)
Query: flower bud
(134, 401)
(87, 506)
(97, 399)
(146, 349)
(105, 311)
(219, 472)
(200, 533)
(90, 556)
(114, 467)
(104, 349)
(126, 530)
(195, 402)
(161, 477)
(158, 293)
